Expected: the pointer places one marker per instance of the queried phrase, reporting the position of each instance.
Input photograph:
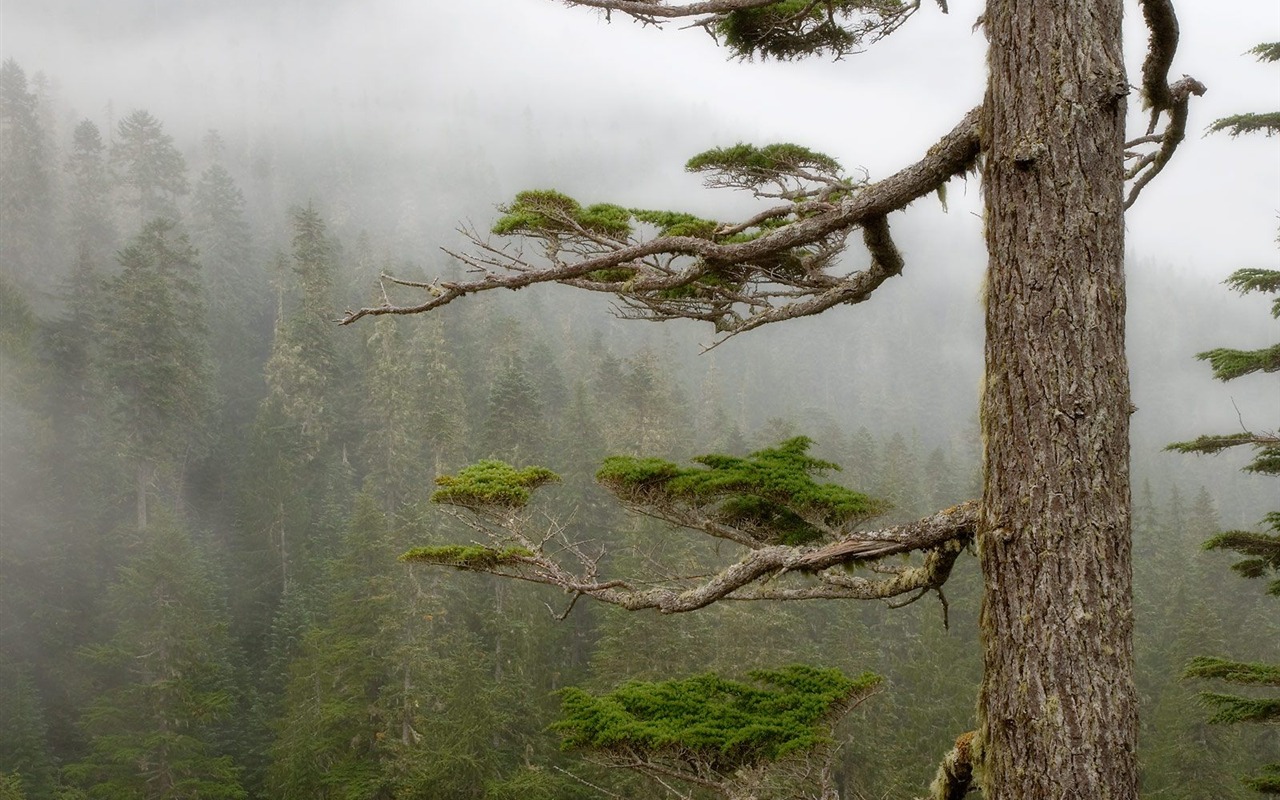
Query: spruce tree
(1261, 550)
(158, 724)
(89, 204)
(25, 182)
(154, 358)
(1053, 525)
(148, 167)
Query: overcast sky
(508, 71)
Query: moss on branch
(472, 557)
(491, 483)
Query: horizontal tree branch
(954, 154)
(942, 537)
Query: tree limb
(1160, 96)
(759, 291)
(942, 537)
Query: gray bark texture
(1058, 712)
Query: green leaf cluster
(1267, 122)
(761, 163)
(1265, 782)
(728, 723)
(548, 211)
(772, 490)
(1229, 709)
(792, 29)
(475, 557)
(676, 223)
(1263, 551)
(492, 483)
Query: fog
(399, 121)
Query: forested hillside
(206, 483)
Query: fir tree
(89, 204)
(154, 358)
(25, 181)
(148, 167)
(157, 726)
(1050, 138)
(1261, 550)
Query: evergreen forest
(207, 485)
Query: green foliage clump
(792, 29)
(1228, 364)
(466, 556)
(1267, 122)
(772, 491)
(548, 211)
(747, 160)
(491, 483)
(1265, 782)
(1263, 551)
(11, 787)
(727, 723)
(677, 223)
(699, 287)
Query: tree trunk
(1058, 711)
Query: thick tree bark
(1058, 712)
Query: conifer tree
(296, 479)
(157, 725)
(238, 298)
(154, 358)
(89, 204)
(514, 428)
(25, 181)
(1050, 137)
(149, 168)
(24, 749)
(1261, 550)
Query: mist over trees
(205, 484)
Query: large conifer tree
(1058, 710)
(149, 167)
(1260, 549)
(25, 182)
(157, 727)
(154, 359)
